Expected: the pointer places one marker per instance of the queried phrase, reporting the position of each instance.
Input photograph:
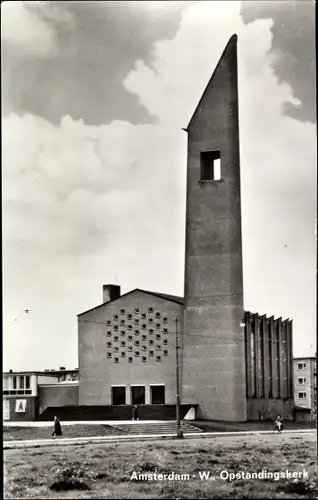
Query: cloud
(84, 204)
(31, 27)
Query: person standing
(135, 413)
(57, 429)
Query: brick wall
(98, 372)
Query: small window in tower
(158, 336)
(158, 347)
(136, 311)
(136, 354)
(144, 337)
(137, 342)
(150, 331)
(116, 349)
(165, 330)
(123, 333)
(116, 339)
(123, 354)
(151, 353)
(144, 359)
(109, 354)
(165, 352)
(122, 311)
(136, 332)
(150, 342)
(158, 358)
(115, 317)
(116, 360)
(143, 315)
(129, 337)
(109, 334)
(129, 316)
(165, 320)
(109, 344)
(109, 322)
(165, 341)
(210, 166)
(157, 314)
(144, 348)
(130, 360)
(150, 320)
(150, 310)
(157, 325)
(123, 343)
(130, 348)
(129, 327)
(115, 327)
(122, 321)
(144, 326)
(137, 321)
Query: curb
(7, 445)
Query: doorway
(119, 395)
(138, 395)
(157, 394)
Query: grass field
(69, 431)
(107, 468)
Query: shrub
(303, 487)
(72, 478)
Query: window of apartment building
(150, 331)
(115, 317)
(144, 337)
(122, 311)
(165, 330)
(123, 333)
(158, 336)
(130, 360)
(151, 353)
(165, 320)
(144, 359)
(136, 310)
(150, 320)
(136, 332)
(143, 315)
(302, 380)
(158, 358)
(129, 316)
(302, 395)
(301, 366)
(150, 309)
(144, 348)
(165, 352)
(165, 341)
(109, 334)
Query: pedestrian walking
(57, 429)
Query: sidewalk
(7, 445)
(84, 422)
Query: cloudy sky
(94, 96)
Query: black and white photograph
(159, 249)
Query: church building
(234, 365)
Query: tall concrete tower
(213, 373)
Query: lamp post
(179, 431)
